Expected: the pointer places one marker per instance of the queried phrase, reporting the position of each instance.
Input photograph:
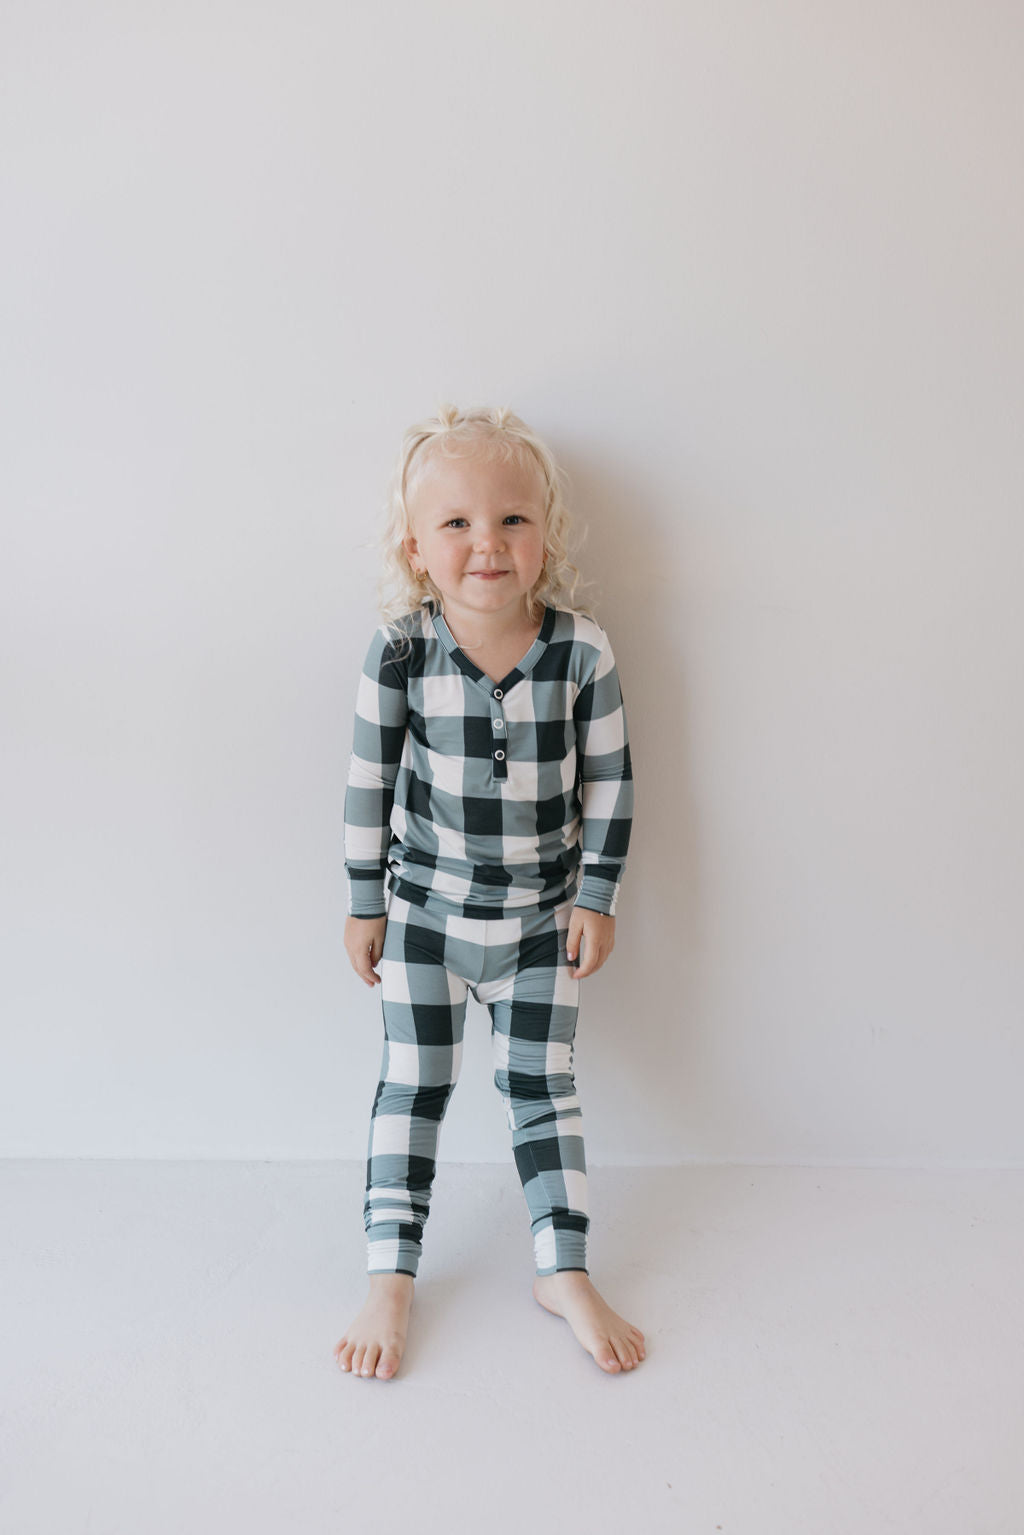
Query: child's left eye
(515, 517)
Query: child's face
(478, 531)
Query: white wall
(754, 270)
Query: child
(490, 760)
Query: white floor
(836, 1352)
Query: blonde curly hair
(498, 434)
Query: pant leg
(534, 1008)
(424, 1007)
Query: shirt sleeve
(606, 784)
(378, 740)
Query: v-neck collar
(518, 672)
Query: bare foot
(374, 1343)
(615, 1343)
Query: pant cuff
(395, 1256)
(555, 1249)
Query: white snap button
(499, 756)
(499, 725)
(498, 693)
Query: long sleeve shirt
(488, 796)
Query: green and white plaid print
(516, 965)
(488, 796)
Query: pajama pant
(517, 967)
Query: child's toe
(370, 1358)
(388, 1364)
(622, 1350)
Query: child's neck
(490, 632)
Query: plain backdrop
(753, 270)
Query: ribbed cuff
(392, 1255)
(366, 898)
(555, 1248)
(597, 894)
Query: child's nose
(490, 538)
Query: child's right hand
(364, 944)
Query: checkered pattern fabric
(517, 966)
(488, 796)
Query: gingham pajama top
(485, 796)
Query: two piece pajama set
(482, 804)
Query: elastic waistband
(428, 900)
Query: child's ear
(410, 547)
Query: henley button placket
(498, 768)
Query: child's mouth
(488, 575)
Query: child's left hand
(598, 934)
